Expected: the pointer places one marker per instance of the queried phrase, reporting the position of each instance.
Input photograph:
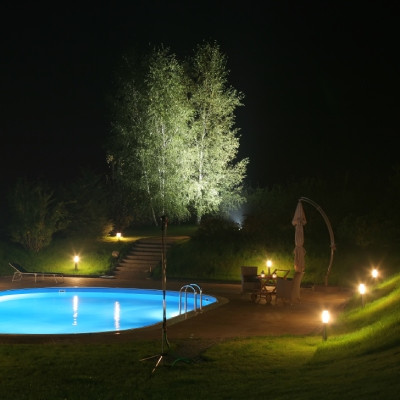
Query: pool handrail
(192, 286)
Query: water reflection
(75, 302)
(117, 315)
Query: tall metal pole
(164, 341)
(164, 223)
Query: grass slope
(360, 359)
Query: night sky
(320, 79)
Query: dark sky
(320, 79)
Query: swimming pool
(88, 310)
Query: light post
(361, 289)
(76, 260)
(325, 320)
(118, 236)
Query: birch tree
(153, 137)
(174, 146)
(218, 177)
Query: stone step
(145, 255)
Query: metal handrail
(193, 287)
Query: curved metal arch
(328, 224)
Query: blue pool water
(88, 310)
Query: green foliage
(217, 179)
(174, 147)
(35, 215)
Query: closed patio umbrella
(299, 220)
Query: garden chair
(249, 279)
(288, 290)
(19, 271)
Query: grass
(359, 360)
(96, 254)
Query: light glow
(361, 288)
(325, 316)
(374, 273)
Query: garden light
(374, 273)
(118, 236)
(76, 260)
(325, 320)
(361, 289)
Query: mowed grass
(359, 359)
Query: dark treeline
(363, 211)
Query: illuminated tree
(174, 144)
(151, 143)
(217, 177)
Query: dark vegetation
(82, 218)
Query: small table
(266, 289)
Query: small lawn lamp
(269, 265)
(262, 274)
(119, 236)
(325, 320)
(76, 260)
(361, 289)
(374, 273)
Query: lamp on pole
(76, 261)
(361, 289)
(325, 320)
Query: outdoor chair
(288, 290)
(19, 271)
(249, 279)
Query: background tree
(35, 215)
(87, 202)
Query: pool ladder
(196, 291)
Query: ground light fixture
(361, 289)
(118, 235)
(76, 261)
(325, 320)
(374, 273)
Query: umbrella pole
(328, 224)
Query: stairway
(145, 255)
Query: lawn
(360, 359)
